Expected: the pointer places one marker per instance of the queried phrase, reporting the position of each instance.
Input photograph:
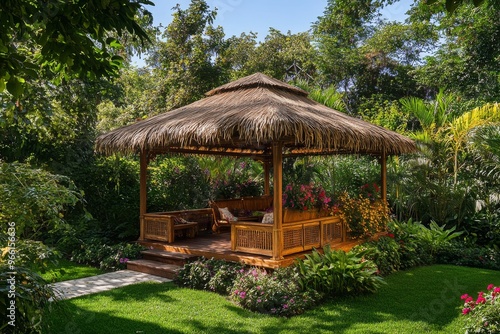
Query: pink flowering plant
(276, 293)
(305, 197)
(482, 314)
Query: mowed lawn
(67, 270)
(421, 300)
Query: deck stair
(160, 263)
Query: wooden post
(278, 200)
(383, 174)
(143, 190)
(267, 191)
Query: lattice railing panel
(254, 239)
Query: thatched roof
(245, 117)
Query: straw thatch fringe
(250, 114)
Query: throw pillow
(227, 215)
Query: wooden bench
(244, 204)
(259, 203)
(162, 226)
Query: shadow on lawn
(425, 299)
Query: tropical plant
(384, 252)
(436, 236)
(413, 250)
(336, 272)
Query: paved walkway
(104, 282)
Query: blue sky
(238, 16)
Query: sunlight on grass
(67, 270)
(423, 300)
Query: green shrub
(111, 186)
(177, 183)
(437, 237)
(29, 298)
(413, 250)
(384, 252)
(338, 273)
(209, 274)
(276, 293)
(465, 254)
(35, 200)
(484, 228)
(97, 252)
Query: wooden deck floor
(219, 246)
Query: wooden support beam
(267, 191)
(383, 175)
(143, 190)
(278, 200)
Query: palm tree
(441, 126)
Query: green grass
(422, 300)
(67, 270)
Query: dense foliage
(35, 39)
(335, 273)
(433, 77)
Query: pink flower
(480, 300)
(468, 300)
(491, 286)
(465, 310)
(243, 294)
(464, 296)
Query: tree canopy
(63, 39)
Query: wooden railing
(256, 238)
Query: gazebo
(264, 119)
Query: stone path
(104, 282)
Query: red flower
(491, 286)
(466, 310)
(390, 235)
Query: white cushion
(268, 218)
(227, 215)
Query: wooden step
(154, 268)
(179, 259)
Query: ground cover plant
(424, 299)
